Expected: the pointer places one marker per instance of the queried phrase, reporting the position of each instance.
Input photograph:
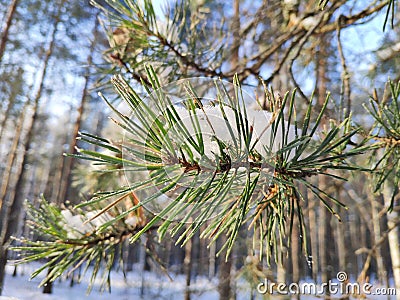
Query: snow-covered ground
(151, 286)
(154, 286)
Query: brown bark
(340, 235)
(10, 160)
(9, 17)
(324, 232)
(4, 206)
(224, 276)
(324, 239)
(188, 263)
(10, 104)
(224, 286)
(225, 265)
(58, 173)
(313, 260)
(3, 261)
(295, 251)
(68, 162)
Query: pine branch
(58, 237)
(145, 43)
(190, 162)
(386, 135)
(297, 158)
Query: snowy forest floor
(150, 286)
(154, 286)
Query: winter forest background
(332, 204)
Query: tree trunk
(224, 285)
(188, 263)
(355, 243)
(281, 272)
(4, 206)
(58, 172)
(11, 219)
(341, 245)
(211, 261)
(143, 263)
(99, 125)
(324, 215)
(375, 207)
(295, 252)
(393, 238)
(3, 261)
(324, 239)
(313, 260)
(10, 104)
(340, 237)
(48, 286)
(68, 162)
(9, 17)
(10, 162)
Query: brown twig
(345, 92)
(138, 77)
(297, 53)
(353, 18)
(388, 141)
(116, 237)
(260, 58)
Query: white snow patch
(78, 225)
(212, 124)
(132, 221)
